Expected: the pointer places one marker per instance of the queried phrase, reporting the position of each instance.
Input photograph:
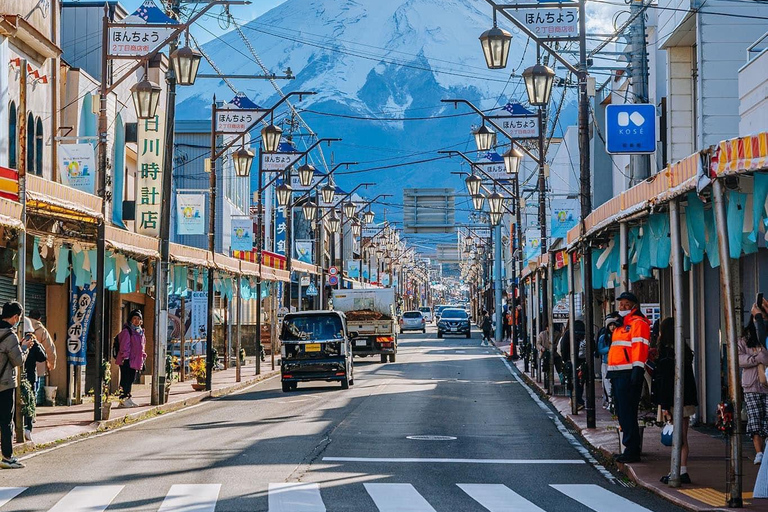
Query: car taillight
(381, 339)
(286, 376)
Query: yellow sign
(312, 347)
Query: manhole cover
(431, 438)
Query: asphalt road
(321, 448)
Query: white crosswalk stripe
(88, 498)
(295, 498)
(8, 493)
(498, 498)
(598, 498)
(191, 498)
(397, 498)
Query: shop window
(12, 136)
(38, 169)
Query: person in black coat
(663, 388)
(36, 355)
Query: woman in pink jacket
(753, 360)
(130, 356)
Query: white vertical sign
(149, 185)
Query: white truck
(371, 320)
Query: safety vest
(630, 342)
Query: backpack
(116, 346)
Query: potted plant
(170, 363)
(106, 405)
(197, 370)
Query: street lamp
(477, 201)
(310, 210)
(270, 138)
(495, 201)
(349, 209)
(495, 43)
(243, 159)
(495, 218)
(283, 192)
(356, 228)
(538, 83)
(334, 223)
(485, 138)
(328, 192)
(368, 217)
(306, 173)
(473, 184)
(186, 61)
(512, 159)
(146, 96)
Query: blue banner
(281, 224)
(242, 234)
(81, 302)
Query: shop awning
(132, 243)
(227, 264)
(307, 268)
(191, 256)
(249, 269)
(10, 214)
(62, 202)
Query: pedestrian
(507, 326)
(12, 355)
(486, 324)
(753, 360)
(44, 369)
(130, 356)
(580, 339)
(612, 321)
(626, 369)
(663, 388)
(35, 356)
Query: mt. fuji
(380, 69)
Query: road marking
(454, 461)
(8, 493)
(293, 497)
(397, 498)
(191, 498)
(431, 438)
(87, 498)
(598, 499)
(559, 424)
(498, 498)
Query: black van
(315, 346)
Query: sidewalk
(60, 423)
(707, 462)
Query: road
(497, 450)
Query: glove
(638, 374)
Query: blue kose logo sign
(630, 129)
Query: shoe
(122, 405)
(28, 435)
(627, 459)
(759, 458)
(130, 403)
(579, 407)
(11, 463)
(684, 479)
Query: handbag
(666, 434)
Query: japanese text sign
(551, 22)
(149, 195)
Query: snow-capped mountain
(375, 65)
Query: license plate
(312, 347)
(454, 329)
(360, 343)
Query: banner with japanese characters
(281, 224)
(546, 22)
(242, 234)
(77, 167)
(190, 214)
(149, 185)
(231, 120)
(141, 32)
(81, 303)
(199, 315)
(353, 269)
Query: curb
(29, 447)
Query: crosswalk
(307, 497)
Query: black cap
(579, 327)
(628, 296)
(135, 313)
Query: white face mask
(624, 313)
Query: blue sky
(241, 12)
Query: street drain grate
(431, 438)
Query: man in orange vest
(626, 369)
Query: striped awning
(9, 184)
(748, 153)
(62, 202)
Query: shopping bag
(666, 434)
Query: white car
(413, 321)
(427, 312)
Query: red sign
(333, 271)
(9, 184)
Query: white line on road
(453, 461)
(498, 498)
(8, 493)
(598, 499)
(87, 498)
(293, 497)
(397, 498)
(191, 498)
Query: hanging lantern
(270, 138)
(349, 209)
(477, 201)
(512, 160)
(243, 159)
(146, 97)
(334, 223)
(538, 82)
(485, 138)
(186, 62)
(328, 192)
(368, 217)
(495, 43)
(495, 218)
(310, 210)
(473, 184)
(356, 228)
(495, 202)
(306, 173)
(283, 192)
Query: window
(38, 169)
(30, 142)
(12, 136)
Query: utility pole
(21, 254)
(640, 165)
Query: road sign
(234, 120)
(333, 280)
(333, 271)
(630, 129)
(311, 290)
(493, 164)
(550, 22)
(517, 121)
(278, 161)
